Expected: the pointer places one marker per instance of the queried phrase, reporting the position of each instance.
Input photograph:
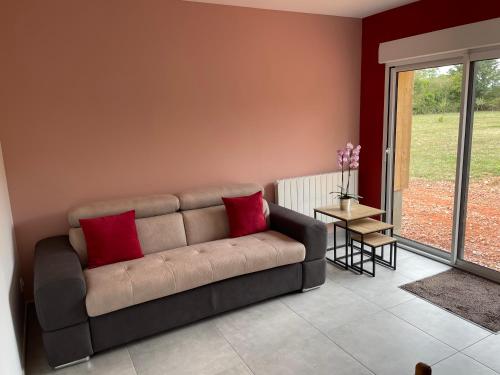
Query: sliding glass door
(425, 138)
(442, 181)
(481, 244)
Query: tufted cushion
(119, 285)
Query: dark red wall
(416, 18)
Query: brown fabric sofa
(191, 270)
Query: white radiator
(304, 194)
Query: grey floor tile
(272, 339)
(198, 348)
(451, 329)
(388, 345)
(113, 362)
(419, 267)
(239, 369)
(404, 254)
(460, 364)
(392, 297)
(383, 289)
(487, 352)
(385, 294)
(330, 306)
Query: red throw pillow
(111, 239)
(245, 214)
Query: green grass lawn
(434, 145)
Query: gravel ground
(428, 214)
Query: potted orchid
(347, 160)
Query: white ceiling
(345, 8)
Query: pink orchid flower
(348, 158)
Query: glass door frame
(390, 160)
(456, 255)
(466, 164)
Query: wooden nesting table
(360, 227)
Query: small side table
(361, 228)
(373, 241)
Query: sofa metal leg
(72, 363)
(308, 289)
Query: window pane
(482, 233)
(427, 128)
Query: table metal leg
(347, 237)
(395, 254)
(334, 241)
(362, 254)
(391, 253)
(373, 261)
(340, 261)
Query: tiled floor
(351, 325)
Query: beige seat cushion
(119, 285)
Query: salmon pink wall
(416, 18)
(105, 99)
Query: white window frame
(466, 57)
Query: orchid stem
(348, 179)
(342, 184)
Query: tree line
(438, 91)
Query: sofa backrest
(204, 212)
(159, 225)
(166, 221)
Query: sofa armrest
(311, 232)
(59, 284)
